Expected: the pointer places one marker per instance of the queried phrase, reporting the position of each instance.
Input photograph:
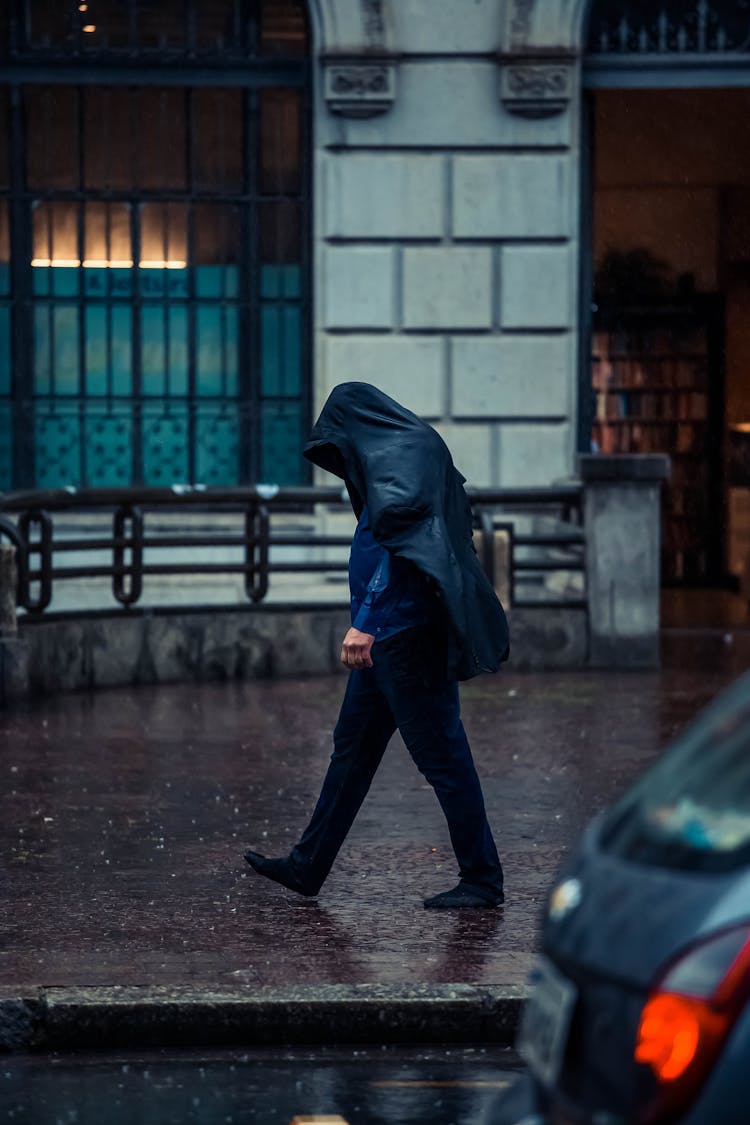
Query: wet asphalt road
(372, 1086)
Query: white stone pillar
(622, 524)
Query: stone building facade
(447, 165)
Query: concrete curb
(67, 1018)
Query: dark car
(639, 1009)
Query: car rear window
(692, 809)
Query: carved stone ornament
(535, 87)
(359, 87)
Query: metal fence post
(14, 654)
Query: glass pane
(109, 137)
(96, 350)
(217, 445)
(281, 431)
(122, 349)
(108, 445)
(51, 133)
(280, 281)
(65, 353)
(161, 152)
(153, 350)
(217, 245)
(217, 140)
(4, 137)
(102, 24)
(280, 232)
(283, 28)
(4, 246)
(219, 25)
(216, 350)
(280, 142)
(6, 452)
(57, 434)
(107, 240)
(51, 23)
(280, 358)
(177, 350)
(163, 24)
(165, 444)
(163, 239)
(42, 350)
(4, 361)
(55, 235)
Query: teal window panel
(281, 443)
(122, 350)
(65, 354)
(40, 281)
(216, 350)
(177, 351)
(4, 350)
(96, 317)
(231, 352)
(153, 350)
(6, 447)
(103, 281)
(217, 445)
(209, 281)
(108, 445)
(280, 350)
(64, 280)
(42, 351)
(57, 444)
(280, 281)
(164, 437)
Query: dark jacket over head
(401, 468)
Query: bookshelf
(657, 379)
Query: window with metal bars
(154, 259)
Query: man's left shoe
(280, 870)
(463, 896)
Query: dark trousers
(404, 689)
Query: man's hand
(355, 649)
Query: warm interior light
(89, 27)
(670, 1033)
(100, 263)
(172, 264)
(108, 263)
(55, 262)
(83, 7)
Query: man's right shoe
(280, 870)
(463, 896)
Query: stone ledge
(622, 467)
(57, 1018)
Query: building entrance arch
(667, 95)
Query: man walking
(424, 616)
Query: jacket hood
(401, 468)
(385, 453)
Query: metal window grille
(154, 247)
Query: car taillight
(688, 1016)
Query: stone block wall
(446, 245)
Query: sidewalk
(128, 914)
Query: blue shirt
(388, 593)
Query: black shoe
(463, 896)
(280, 870)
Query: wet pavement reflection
(372, 1086)
(124, 815)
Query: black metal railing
(541, 531)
